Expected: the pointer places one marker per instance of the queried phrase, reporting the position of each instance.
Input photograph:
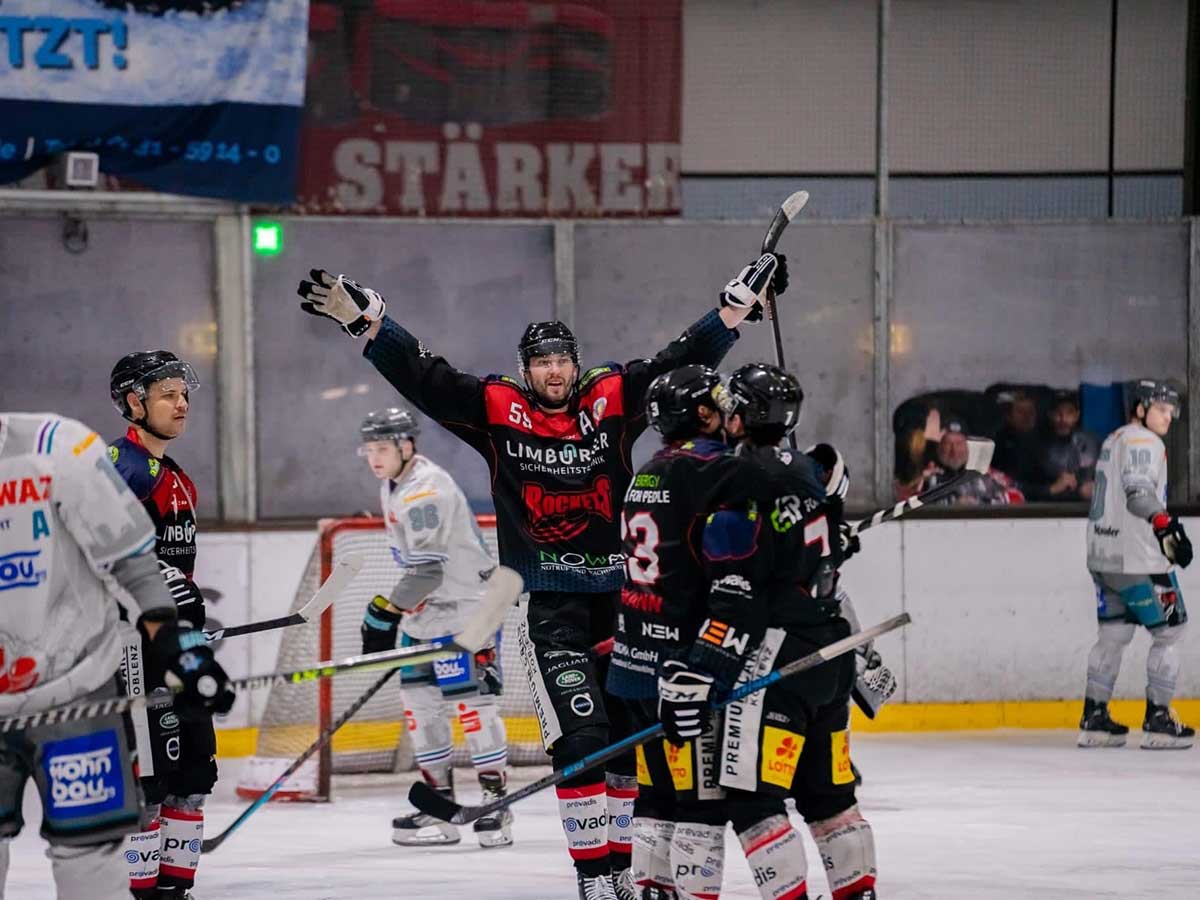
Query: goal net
(375, 739)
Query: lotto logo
(84, 775)
(780, 751)
(679, 761)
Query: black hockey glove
(850, 542)
(186, 655)
(1172, 538)
(352, 306)
(683, 705)
(188, 599)
(748, 290)
(380, 626)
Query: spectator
(1066, 463)
(1017, 441)
(988, 489)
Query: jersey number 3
(642, 563)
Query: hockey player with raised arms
(1133, 546)
(793, 738)
(74, 544)
(692, 610)
(151, 389)
(558, 444)
(443, 565)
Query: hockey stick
(789, 210)
(212, 843)
(979, 458)
(339, 579)
(504, 587)
(429, 801)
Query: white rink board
(1003, 609)
(986, 816)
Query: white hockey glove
(874, 684)
(683, 701)
(749, 289)
(352, 306)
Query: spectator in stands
(1018, 443)
(990, 489)
(1066, 462)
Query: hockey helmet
(674, 398)
(135, 372)
(392, 424)
(1153, 390)
(767, 398)
(544, 338)
(831, 469)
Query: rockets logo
(560, 516)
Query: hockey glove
(380, 626)
(683, 701)
(188, 599)
(850, 542)
(1172, 538)
(488, 668)
(353, 307)
(190, 663)
(874, 683)
(749, 289)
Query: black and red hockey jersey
(557, 478)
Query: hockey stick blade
(503, 589)
(783, 217)
(429, 801)
(344, 571)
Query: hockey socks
(775, 852)
(651, 856)
(182, 832)
(847, 847)
(584, 812)
(622, 791)
(141, 854)
(698, 860)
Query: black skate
(422, 830)
(1162, 731)
(494, 830)
(595, 887)
(623, 885)
(1097, 729)
(656, 893)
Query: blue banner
(200, 98)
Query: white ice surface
(1007, 815)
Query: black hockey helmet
(674, 398)
(767, 398)
(1153, 390)
(392, 424)
(831, 469)
(135, 372)
(544, 338)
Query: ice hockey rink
(998, 814)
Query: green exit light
(268, 238)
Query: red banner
(482, 108)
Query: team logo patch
(84, 775)
(598, 408)
(780, 753)
(560, 516)
(455, 670)
(114, 454)
(153, 465)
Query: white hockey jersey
(66, 517)
(428, 520)
(1132, 458)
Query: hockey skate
(1161, 730)
(1097, 729)
(595, 887)
(623, 885)
(422, 830)
(494, 830)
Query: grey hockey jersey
(1132, 464)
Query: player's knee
(1168, 635)
(95, 871)
(186, 802)
(847, 847)
(745, 810)
(816, 809)
(703, 812)
(775, 852)
(575, 746)
(1116, 634)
